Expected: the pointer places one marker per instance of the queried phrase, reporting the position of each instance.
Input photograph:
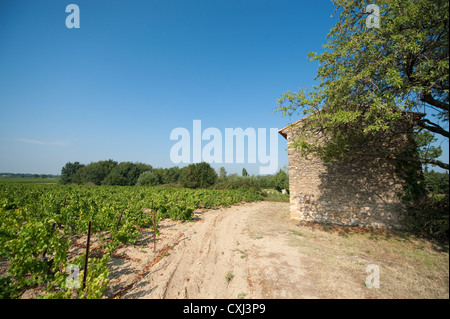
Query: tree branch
(427, 98)
(426, 161)
(432, 127)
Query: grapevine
(38, 224)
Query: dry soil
(255, 250)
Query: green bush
(429, 216)
(281, 181)
(69, 171)
(94, 172)
(148, 178)
(436, 183)
(236, 183)
(125, 174)
(198, 175)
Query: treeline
(436, 183)
(198, 175)
(428, 206)
(26, 175)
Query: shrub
(429, 216)
(125, 174)
(147, 178)
(68, 172)
(436, 182)
(94, 172)
(281, 180)
(198, 175)
(236, 183)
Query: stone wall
(360, 192)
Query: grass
(410, 266)
(296, 233)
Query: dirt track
(224, 253)
(255, 251)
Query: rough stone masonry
(358, 192)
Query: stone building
(357, 191)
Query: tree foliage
(437, 183)
(148, 178)
(168, 175)
(94, 172)
(281, 181)
(373, 79)
(68, 172)
(125, 174)
(198, 175)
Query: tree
(198, 175)
(136, 171)
(68, 172)
(244, 172)
(173, 175)
(94, 172)
(374, 79)
(437, 183)
(148, 178)
(281, 181)
(125, 174)
(118, 175)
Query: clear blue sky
(135, 70)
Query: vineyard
(38, 225)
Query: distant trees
(27, 175)
(281, 181)
(126, 174)
(68, 172)
(103, 173)
(148, 178)
(167, 175)
(436, 183)
(94, 172)
(198, 175)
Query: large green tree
(68, 172)
(198, 175)
(372, 78)
(125, 174)
(94, 172)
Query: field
(15, 180)
(209, 244)
(40, 223)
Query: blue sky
(135, 70)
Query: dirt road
(224, 253)
(255, 251)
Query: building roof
(283, 131)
